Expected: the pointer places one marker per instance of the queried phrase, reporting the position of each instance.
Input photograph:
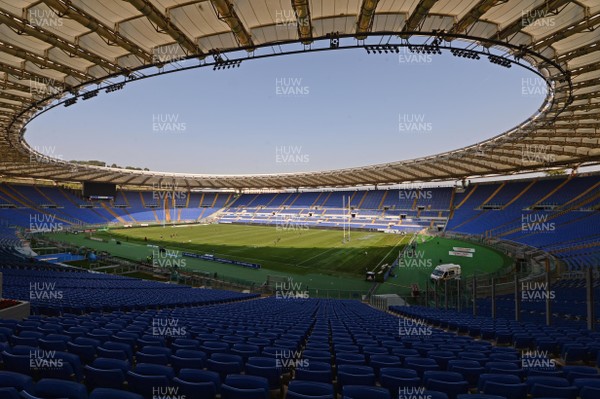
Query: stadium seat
(394, 378)
(108, 393)
(53, 388)
(450, 388)
(224, 364)
(265, 367)
(9, 393)
(420, 365)
(502, 378)
(107, 378)
(201, 376)
(355, 375)
(191, 389)
(549, 381)
(316, 371)
(245, 387)
(145, 385)
(309, 390)
(9, 379)
(589, 393)
(350, 358)
(365, 392)
(514, 391)
(541, 391)
(188, 358)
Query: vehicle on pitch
(449, 271)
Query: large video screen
(93, 190)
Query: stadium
(460, 272)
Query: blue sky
(349, 109)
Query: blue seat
(112, 353)
(53, 388)
(210, 347)
(480, 396)
(434, 394)
(375, 350)
(245, 350)
(86, 353)
(365, 392)
(245, 387)
(224, 364)
(470, 369)
(108, 393)
(589, 393)
(190, 389)
(550, 381)
(316, 371)
(111, 364)
(96, 378)
(504, 368)
(156, 350)
(450, 388)
(513, 391)
(574, 353)
(154, 369)
(404, 353)
(541, 391)
(317, 356)
(142, 357)
(450, 376)
(9, 393)
(192, 375)
(350, 358)
(265, 367)
(53, 344)
(145, 384)
(188, 358)
(503, 378)
(310, 389)
(185, 343)
(355, 375)
(380, 361)
(344, 348)
(586, 382)
(9, 379)
(17, 363)
(393, 378)
(574, 372)
(442, 358)
(420, 365)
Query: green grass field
(317, 258)
(283, 250)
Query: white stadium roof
(52, 51)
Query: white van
(449, 271)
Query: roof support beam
(590, 48)
(164, 25)
(43, 62)
(418, 16)
(584, 24)
(16, 97)
(473, 15)
(302, 11)
(67, 9)
(22, 26)
(226, 13)
(399, 175)
(365, 18)
(9, 85)
(545, 8)
(23, 74)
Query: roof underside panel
(44, 50)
